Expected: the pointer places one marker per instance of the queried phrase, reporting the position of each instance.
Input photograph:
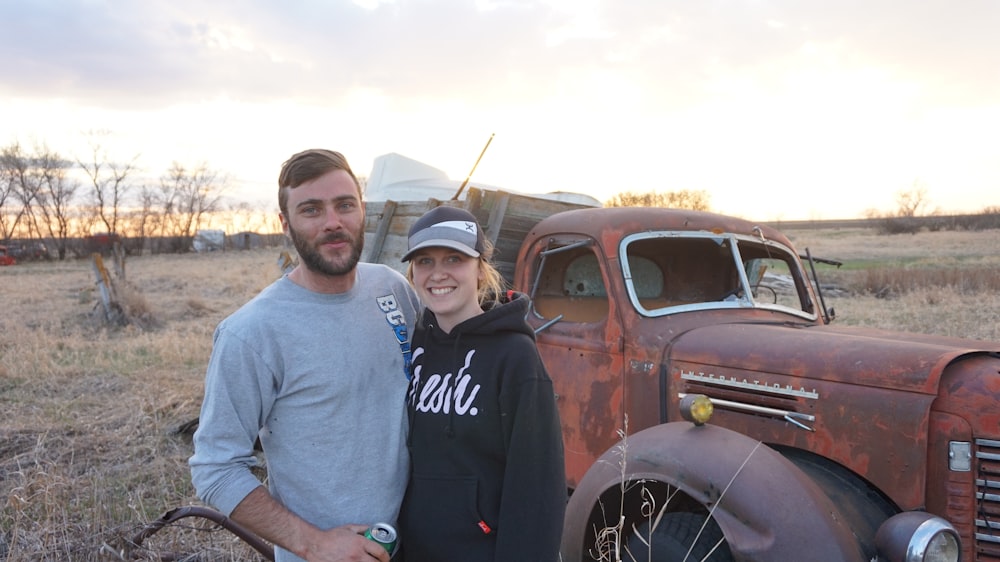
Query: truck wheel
(673, 538)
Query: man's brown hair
(307, 166)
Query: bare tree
(696, 200)
(911, 202)
(54, 196)
(10, 210)
(244, 216)
(109, 182)
(144, 221)
(7, 213)
(189, 197)
(18, 192)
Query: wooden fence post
(113, 312)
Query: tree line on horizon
(914, 213)
(45, 196)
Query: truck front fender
(768, 509)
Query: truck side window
(572, 285)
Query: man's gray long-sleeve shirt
(321, 379)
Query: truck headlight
(914, 536)
(696, 408)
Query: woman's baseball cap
(448, 227)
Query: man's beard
(315, 262)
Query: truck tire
(673, 537)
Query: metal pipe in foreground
(258, 544)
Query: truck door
(580, 339)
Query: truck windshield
(671, 272)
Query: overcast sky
(783, 109)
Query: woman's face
(447, 282)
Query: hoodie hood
(506, 315)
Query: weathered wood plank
(505, 218)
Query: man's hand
(267, 518)
(344, 544)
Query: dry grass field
(945, 282)
(89, 449)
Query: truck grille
(988, 500)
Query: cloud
(150, 53)
(783, 93)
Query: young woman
(487, 480)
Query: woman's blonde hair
(491, 286)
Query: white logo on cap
(465, 226)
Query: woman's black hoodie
(488, 482)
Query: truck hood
(860, 356)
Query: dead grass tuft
(197, 307)
(885, 281)
(942, 311)
(136, 308)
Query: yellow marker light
(696, 408)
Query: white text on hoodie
(439, 393)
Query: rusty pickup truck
(712, 411)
